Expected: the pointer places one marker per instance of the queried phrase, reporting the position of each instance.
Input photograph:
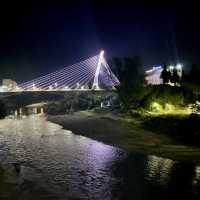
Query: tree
(194, 74)
(165, 75)
(2, 110)
(175, 77)
(132, 81)
(117, 67)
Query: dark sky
(38, 37)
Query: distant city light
(171, 67)
(179, 66)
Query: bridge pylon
(96, 76)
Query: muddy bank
(120, 132)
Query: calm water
(56, 164)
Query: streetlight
(171, 67)
(82, 87)
(179, 66)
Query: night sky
(42, 36)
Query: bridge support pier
(34, 110)
(18, 112)
(41, 110)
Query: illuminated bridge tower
(96, 76)
(103, 74)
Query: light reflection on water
(197, 174)
(56, 164)
(159, 169)
(58, 161)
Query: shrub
(2, 110)
(165, 97)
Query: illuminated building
(9, 84)
(153, 76)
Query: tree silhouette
(132, 80)
(165, 75)
(2, 110)
(194, 74)
(175, 77)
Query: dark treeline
(134, 92)
(183, 129)
(170, 76)
(193, 76)
(132, 81)
(3, 110)
(80, 101)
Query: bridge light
(77, 85)
(56, 84)
(50, 87)
(33, 86)
(101, 53)
(171, 68)
(179, 68)
(66, 88)
(82, 88)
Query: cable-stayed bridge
(90, 78)
(93, 73)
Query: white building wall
(153, 76)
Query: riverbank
(126, 133)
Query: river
(56, 164)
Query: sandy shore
(117, 131)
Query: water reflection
(158, 169)
(197, 175)
(56, 164)
(152, 177)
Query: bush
(184, 129)
(2, 110)
(80, 101)
(160, 96)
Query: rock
(17, 167)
